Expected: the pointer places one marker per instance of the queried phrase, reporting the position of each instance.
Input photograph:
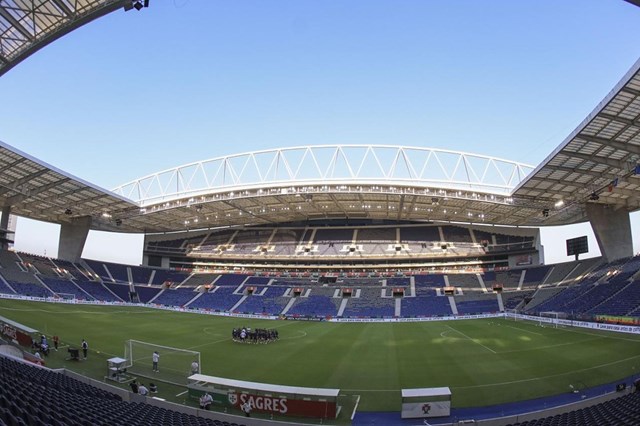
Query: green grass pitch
(485, 361)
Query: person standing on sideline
(56, 341)
(85, 348)
(155, 358)
(195, 367)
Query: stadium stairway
(289, 305)
(452, 303)
(343, 306)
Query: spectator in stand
(155, 358)
(142, 389)
(85, 348)
(56, 342)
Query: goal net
(174, 364)
(555, 316)
(65, 296)
(511, 314)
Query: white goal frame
(65, 296)
(167, 373)
(555, 316)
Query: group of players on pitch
(259, 335)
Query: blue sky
(137, 92)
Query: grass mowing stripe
(473, 340)
(604, 336)
(538, 348)
(522, 329)
(582, 370)
(374, 360)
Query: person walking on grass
(155, 358)
(85, 348)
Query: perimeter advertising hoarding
(283, 405)
(426, 402)
(277, 400)
(612, 319)
(418, 410)
(14, 334)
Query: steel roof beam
(608, 161)
(622, 191)
(583, 172)
(16, 199)
(622, 146)
(62, 6)
(631, 91)
(12, 164)
(14, 23)
(619, 119)
(13, 186)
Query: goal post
(555, 316)
(174, 364)
(65, 296)
(511, 314)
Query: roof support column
(73, 235)
(4, 227)
(612, 229)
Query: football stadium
(324, 284)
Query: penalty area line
(522, 329)
(473, 340)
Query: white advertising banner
(415, 410)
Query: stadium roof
(26, 25)
(39, 191)
(596, 163)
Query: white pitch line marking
(582, 370)
(522, 329)
(473, 340)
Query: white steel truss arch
(330, 164)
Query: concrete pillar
(73, 235)
(4, 224)
(612, 229)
